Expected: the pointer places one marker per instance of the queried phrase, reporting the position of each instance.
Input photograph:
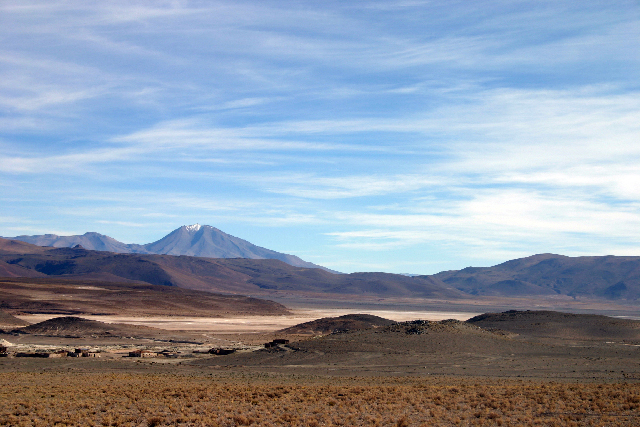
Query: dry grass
(39, 399)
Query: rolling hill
(606, 277)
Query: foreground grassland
(43, 399)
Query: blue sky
(399, 136)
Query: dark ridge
(348, 322)
(554, 324)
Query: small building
(142, 353)
(276, 343)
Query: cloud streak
(388, 133)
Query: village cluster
(137, 353)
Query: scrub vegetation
(228, 399)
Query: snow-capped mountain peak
(192, 228)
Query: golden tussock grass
(43, 399)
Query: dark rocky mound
(415, 343)
(553, 324)
(7, 320)
(348, 322)
(78, 327)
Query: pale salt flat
(262, 324)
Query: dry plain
(549, 369)
(440, 373)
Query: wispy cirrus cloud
(423, 130)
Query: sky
(400, 136)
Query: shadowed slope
(60, 296)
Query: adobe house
(142, 353)
(276, 343)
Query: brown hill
(348, 322)
(565, 326)
(17, 247)
(60, 296)
(8, 321)
(77, 327)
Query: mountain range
(191, 240)
(205, 258)
(607, 278)
(241, 276)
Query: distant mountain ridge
(191, 240)
(610, 277)
(545, 276)
(239, 276)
